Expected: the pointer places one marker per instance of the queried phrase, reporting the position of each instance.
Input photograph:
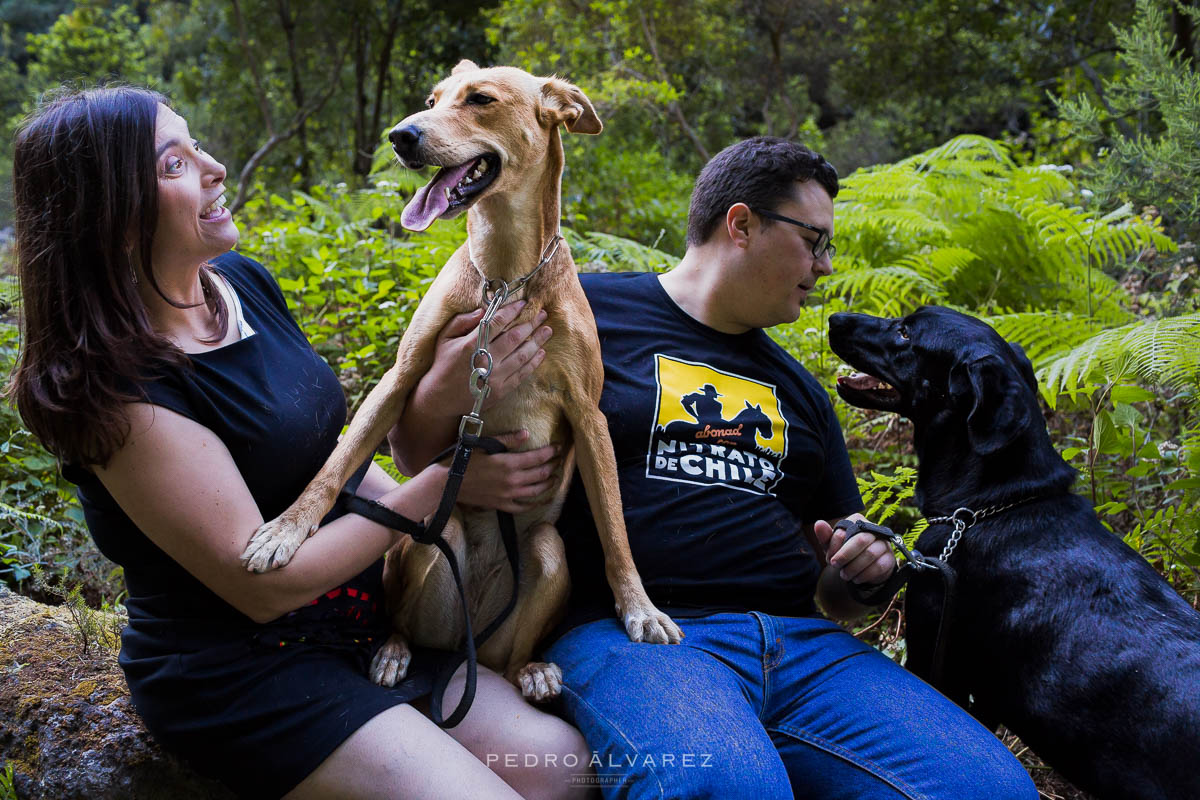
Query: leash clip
(472, 420)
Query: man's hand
(861, 559)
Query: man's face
(781, 269)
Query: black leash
(432, 534)
(915, 562)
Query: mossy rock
(67, 727)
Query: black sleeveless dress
(257, 706)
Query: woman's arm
(429, 423)
(178, 483)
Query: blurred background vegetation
(1034, 163)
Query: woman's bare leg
(401, 754)
(536, 753)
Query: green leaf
(1126, 415)
(1141, 470)
(1131, 394)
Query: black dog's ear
(999, 413)
(1024, 365)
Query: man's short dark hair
(760, 172)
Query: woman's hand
(510, 482)
(443, 394)
(516, 352)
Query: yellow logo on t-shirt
(716, 428)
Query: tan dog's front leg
(598, 468)
(273, 545)
(545, 585)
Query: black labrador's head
(942, 369)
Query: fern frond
(968, 153)
(907, 222)
(941, 265)
(1043, 334)
(1163, 352)
(887, 291)
(603, 252)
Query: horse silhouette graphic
(711, 426)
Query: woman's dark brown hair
(85, 196)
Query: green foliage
(7, 790)
(1147, 123)
(602, 252)
(96, 631)
(885, 494)
(631, 191)
(96, 41)
(963, 225)
(351, 282)
(41, 524)
(1158, 352)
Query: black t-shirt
(278, 408)
(725, 446)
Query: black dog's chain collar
(963, 518)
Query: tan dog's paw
(645, 623)
(540, 681)
(390, 664)
(273, 545)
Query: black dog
(1057, 628)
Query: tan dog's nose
(405, 141)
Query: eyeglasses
(824, 242)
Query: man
(724, 503)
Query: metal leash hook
(478, 380)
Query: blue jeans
(761, 707)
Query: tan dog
(495, 134)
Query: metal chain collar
(963, 518)
(500, 287)
(480, 374)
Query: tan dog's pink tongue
(430, 201)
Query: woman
(166, 374)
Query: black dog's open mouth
(451, 190)
(867, 391)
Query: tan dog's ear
(564, 102)
(466, 65)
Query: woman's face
(193, 223)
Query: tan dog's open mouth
(451, 191)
